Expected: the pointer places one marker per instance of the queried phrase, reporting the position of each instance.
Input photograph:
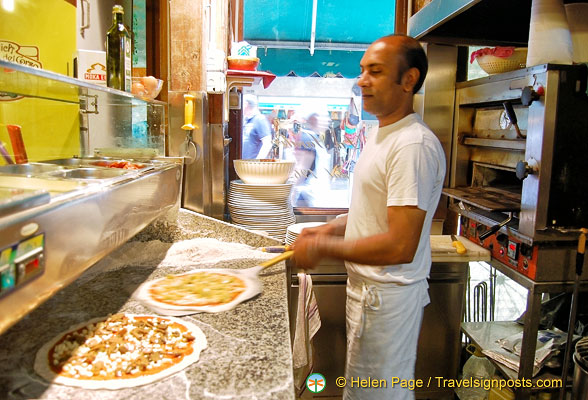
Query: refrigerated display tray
(15, 199)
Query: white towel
(308, 322)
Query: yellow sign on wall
(40, 34)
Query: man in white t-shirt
(384, 239)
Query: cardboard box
(91, 66)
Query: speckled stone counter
(248, 354)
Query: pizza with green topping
(196, 289)
(120, 351)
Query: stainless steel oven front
(518, 158)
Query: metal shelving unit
(485, 334)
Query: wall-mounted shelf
(473, 22)
(238, 78)
(234, 76)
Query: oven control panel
(21, 262)
(506, 249)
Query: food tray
(15, 199)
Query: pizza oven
(517, 172)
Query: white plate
(263, 213)
(259, 192)
(297, 228)
(263, 199)
(282, 221)
(270, 228)
(258, 205)
(259, 202)
(253, 192)
(255, 225)
(240, 183)
(256, 189)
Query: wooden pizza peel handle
(284, 256)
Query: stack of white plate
(264, 208)
(294, 230)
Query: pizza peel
(250, 276)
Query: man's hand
(325, 229)
(311, 244)
(307, 253)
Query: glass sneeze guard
(61, 116)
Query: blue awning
(326, 63)
(282, 30)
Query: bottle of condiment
(118, 52)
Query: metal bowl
(67, 162)
(118, 164)
(29, 169)
(90, 173)
(92, 162)
(76, 161)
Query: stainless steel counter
(45, 246)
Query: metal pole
(573, 309)
(313, 28)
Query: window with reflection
(314, 107)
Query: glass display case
(82, 170)
(61, 116)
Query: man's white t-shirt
(403, 164)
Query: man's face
(381, 92)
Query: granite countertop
(248, 354)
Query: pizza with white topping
(120, 351)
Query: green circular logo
(316, 383)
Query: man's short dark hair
(414, 56)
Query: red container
(18, 147)
(243, 63)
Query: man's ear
(410, 78)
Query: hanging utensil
(249, 276)
(5, 154)
(495, 228)
(18, 147)
(512, 116)
(189, 149)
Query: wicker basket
(497, 65)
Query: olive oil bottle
(118, 52)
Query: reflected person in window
(384, 239)
(257, 134)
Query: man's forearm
(373, 250)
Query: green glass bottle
(118, 53)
